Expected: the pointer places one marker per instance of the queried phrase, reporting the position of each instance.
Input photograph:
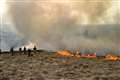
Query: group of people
(24, 50)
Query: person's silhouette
(12, 50)
(0, 51)
(20, 50)
(25, 50)
(35, 48)
(29, 52)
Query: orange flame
(112, 57)
(89, 55)
(64, 53)
(77, 55)
(67, 53)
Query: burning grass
(112, 57)
(91, 56)
(49, 66)
(64, 53)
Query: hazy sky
(63, 24)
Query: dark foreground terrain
(43, 66)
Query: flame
(67, 53)
(89, 55)
(112, 57)
(64, 53)
(76, 55)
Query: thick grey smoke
(69, 24)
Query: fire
(77, 55)
(112, 57)
(89, 55)
(64, 53)
(67, 53)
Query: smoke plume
(68, 24)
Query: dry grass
(42, 66)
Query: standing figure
(0, 51)
(29, 52)
(12, 50)
(24, 50)
(34, 49)
(20, 50)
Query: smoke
(9, 38)
(67, 24)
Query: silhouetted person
(24, 50)
(29, 52)
(34, 49)
(12, 50)
(20, 50)
(0, 51)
